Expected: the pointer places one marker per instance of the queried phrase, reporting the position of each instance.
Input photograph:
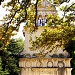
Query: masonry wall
(45, 66)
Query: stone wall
(32, 36)
(45, 66)
(44, 62)
(44, 71)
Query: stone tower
(51, 64)
(44, 8)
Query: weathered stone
(52, 64)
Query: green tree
(2, 72)
(10, 57)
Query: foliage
(71, 49)
(1, 1)
(17, 44)
(10, 56)
(2, 72)
(48, 38)
(54, 20)
(59, 31)
(25, 11)
(10, 50)
(12, 21)
(19, 11)
(58, 1)
(6, 34)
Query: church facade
(30, 64)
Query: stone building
(45, 66)
(53, 64)
(43, 9)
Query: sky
(20, 34)
(2, 13)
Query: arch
(28, 64)
(49, 64)
(38, 64)
(33, 63)
(60, 64)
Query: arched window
(50, 64)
